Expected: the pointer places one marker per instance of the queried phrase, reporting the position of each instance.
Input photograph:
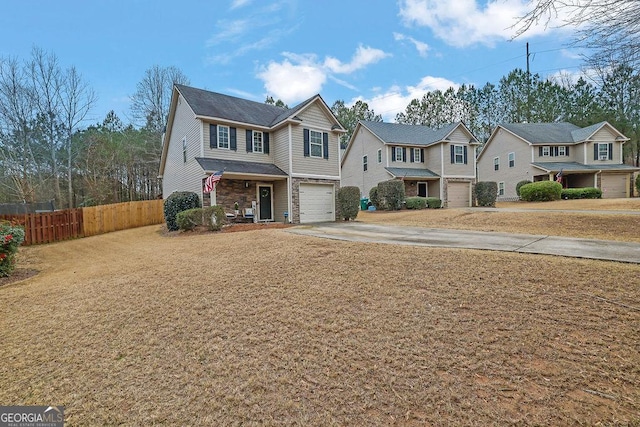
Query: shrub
(581, 193)
(373, 197)
(391, 194)
(520, 184)
(348, 202)
(638, 183)
(177, 202)
(541, 191)
(212, 217)
(11, 236)
(486, 193)
(416, 202)
(434, 203)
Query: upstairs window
(399, 156)
(562, 150)
(603, 151)
(315, 143)
(545, 150)
(184, 149)
(496, 163)
(458, 154)
(258, 147)
(223, 137)
(512, 159)
(364, 163)
(379, 155)
(417, 155)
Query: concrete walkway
(445, 238)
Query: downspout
(289, 182)
(442, 173)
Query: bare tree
(150, 103)
(76, 100)
(606, 26)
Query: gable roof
(555, 133)
(396, 133)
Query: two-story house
(432, 162)
(584, 157)
(284, 164)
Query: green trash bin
(364, 203)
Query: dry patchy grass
(269, 328)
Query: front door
(422, 189)
(266, 203)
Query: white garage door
(317, 203)
(613, 186)
(458, 194)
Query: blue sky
(383, 52)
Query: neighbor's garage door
(458, 194)
(613, 185)
(317, 203)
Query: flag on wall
(559, 177)
(212, 180)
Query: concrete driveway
(445, 238)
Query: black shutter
(595, 151)
(411, 156)
(265, 142)
(453, 155)
(325, 144)
(404, 154)
(213, 136)
(249, 143)
(422, 155)
(540, 151)
(610, 151)
(465, 154)
(566, 150)
(305, 133)
(233, 139)
(554, 151)
(393, 154)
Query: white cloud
(421, 47)
(395, 99)
(300, 76)
(235, 4)
(463, 23)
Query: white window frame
(600, 152)
(496, 164)
(458, 157)
(184, 149)
(562, 150)
(546, 151)
(501, 189)
(258, 141)
(379, 155)
(399, 156)
(224, 137)
(365, 163)
(417, 155)
(315, 141)
(512, 159)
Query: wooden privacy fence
(48, 227)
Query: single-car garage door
(317, 203)
(613, 185)
(458, 194)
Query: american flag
(212, 180)
(559, 177)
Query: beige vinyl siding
(241, 152)
(279, 141)
(365, 143)
(603, 136)
(178, 175)
(314, 118)
(459, 137)
(503, 144)
(432, 158)
(280, 200)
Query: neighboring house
(587, 157)
(432, 162)
(275, 160)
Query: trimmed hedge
(520, 184)
(541, 191)
(177, 202)
(11, 236)
(581, 193)
(416, 202)
(486, 193)
(348, 202)
(212, 217)
(434, 203)
(391, 194)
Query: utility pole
(528, 88)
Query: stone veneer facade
(230, 191)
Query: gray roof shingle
(396, 133)
(581, 167)
(552, 133)
(412, 173)
(237, 166)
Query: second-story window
(315, 143)
(399, 156)
(379, 155)
(545, 150)
(184, 149)
(512, 159)
(458, 151)
(417, 155)
(258, 147)
(365, 162)
(562, 150)
(603, 151)
(496, 163)
(223, 137)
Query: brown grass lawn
(269, 328)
